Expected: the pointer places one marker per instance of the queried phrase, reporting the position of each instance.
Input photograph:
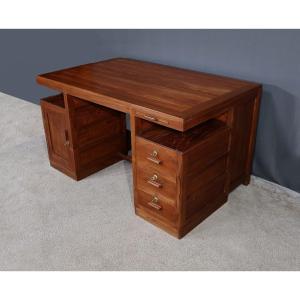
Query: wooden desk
(192, 134)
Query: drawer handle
(153, 119)
(150, 118)
(67, 142)
(154, 203)
(154, 181)
(153, 157)
(154, 160)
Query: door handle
(67, 142)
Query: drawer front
(156, 157)
(162, 119)
(154, 183)
(156, 206)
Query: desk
(192, 134)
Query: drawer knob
(154, 153)
(155, 199)
(154, 177)
(154, 157)
(154, 203)
(154, 181)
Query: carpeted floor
(50, 222)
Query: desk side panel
(243, 128)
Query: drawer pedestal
(180, 178)
(82, 137)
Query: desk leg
(254, 123)
(133, 158)
(243, 129)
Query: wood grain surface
(177, 96)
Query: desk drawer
(154, 183)
(158, 158)
(157, 207)
(161, 119)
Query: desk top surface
(130, 83)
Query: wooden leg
(251, 146)
(133, 159)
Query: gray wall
(267, 56)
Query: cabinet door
(57, 138)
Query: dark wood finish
(192, 134)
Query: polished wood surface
(57, 134)
(155, 156)
(82, 137)
(173, 97)
(181, 141)
(185, 176)
(192, 134)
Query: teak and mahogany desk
(192, 134)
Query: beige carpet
(50, 222)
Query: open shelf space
(180, 141)
(57, 100)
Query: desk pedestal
(82, 137)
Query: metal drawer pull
(154, 160)
(162, 121)
(150, 118)
(153, 157)
(154, 203)
(154, 181)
